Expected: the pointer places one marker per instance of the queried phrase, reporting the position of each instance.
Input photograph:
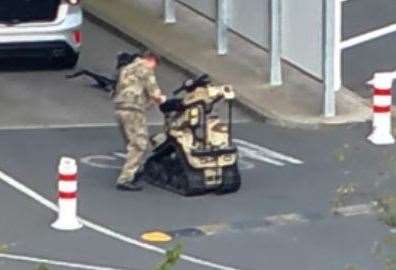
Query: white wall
(302, 27)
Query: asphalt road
(361, 61)
(284, 171)
(323, 241)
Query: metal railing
(223, 15)
(333, 45)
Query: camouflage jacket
(135, 87)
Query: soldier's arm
(153, 90)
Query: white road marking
(247, 151)
(71, 265)
(119, 154)
(88, 125)
(106, 231)
(65, 126)
(94, 161)
(256, 151)
(286, 219)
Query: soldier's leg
(121, 129)
(135, 130)
(134, 157)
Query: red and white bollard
(382, 109)
(67, 196)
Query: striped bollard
(382, 109)
(67, 196)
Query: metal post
(276, 42)
(222, 26)
(337, 47)
(329, 42)
(169, 11)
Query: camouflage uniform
(135, 89)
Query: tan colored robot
(195, 154)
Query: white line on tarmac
(71, 265)
(268, 152)
(106, 231)
(60, 126)
(92, 125)
(247, 153)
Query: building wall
(302, 27)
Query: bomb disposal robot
(195, 153)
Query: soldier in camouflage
(136, 90)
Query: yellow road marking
(156, 237)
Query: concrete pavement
(45, 98)
(297, 103)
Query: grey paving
(44, 98)
(11, 265)
(326, 242)
(298, 102)
(331, 245)
(24, 227)
(332, 156)
(35, 97)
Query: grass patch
(387, 210)
(171, 258)
(387, 252)
(351, 267)
(390, 240)
(343, 194)
(41, 266)
(390, 263)
(340, 155)
(3, 248)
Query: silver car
(45, 29)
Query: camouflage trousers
(133, 125)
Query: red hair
(151, 57)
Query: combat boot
(131, 184)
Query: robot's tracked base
(168, 168)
